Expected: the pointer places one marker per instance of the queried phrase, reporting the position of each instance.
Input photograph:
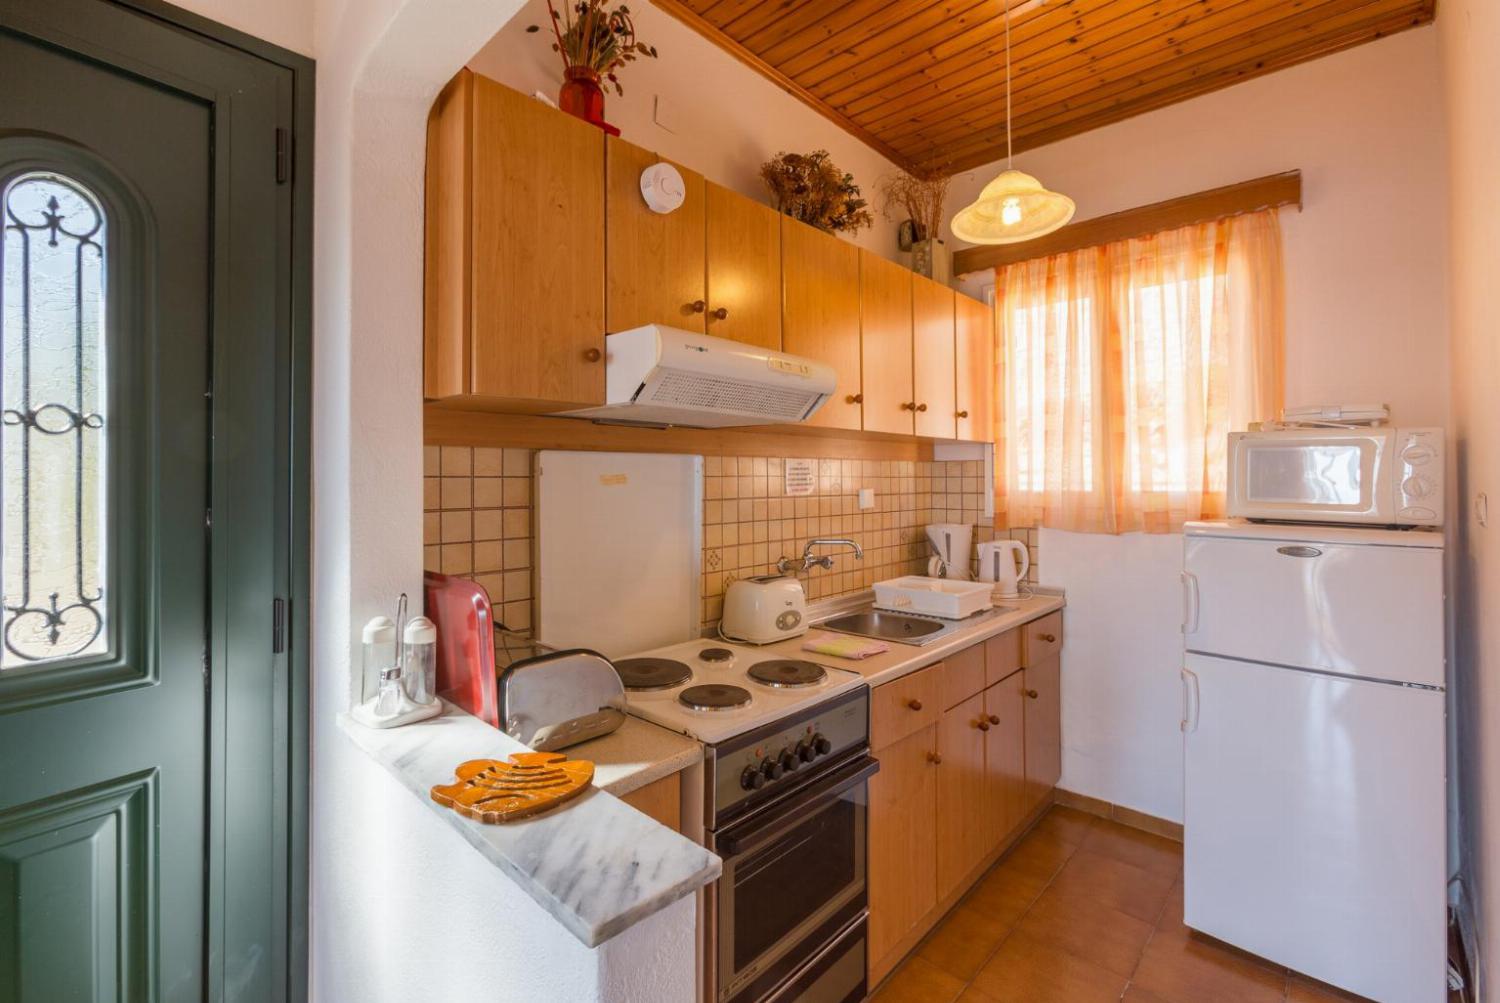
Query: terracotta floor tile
(1005, 893)
(1091, 931)
(965, 940)
(1028, 970)
(973, 995)
(1300, 989)
(1134, 995)
(1039, 854)
(1066, 824)
(918, 982)
(1182, 968)
(1142, 849)
(1171, 914)
(1094, 877)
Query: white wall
(1470, 31)
(288, 23)
(1367, 320)
(726, 119)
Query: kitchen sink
(884, 626)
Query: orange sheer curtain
(1123, 367)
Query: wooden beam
(1248, 196)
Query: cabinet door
(654, 261)
(744, 269)
(1005, 754)
(902, 843)
(932, 358)
(885, 339)
(964, 821)
(1043, 728)
(977, 377)
(537, 243)
(820, 313)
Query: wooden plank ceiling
(923, 81)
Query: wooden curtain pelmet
(1271, 192)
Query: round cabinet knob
(1049, 638)
(994, 719)
(982, 725)
(821, 745)
(921, 407)
(914, 704)
(593, 355)
(751, 779)
(962, 414)
(697, 306)
(1417, 486)
(772, 769)
(909, 406)
(934, 759)
(719, 314)
(854, 399)
(805, 750)
(789, 762)
(1033, 694)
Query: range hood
(662, 376)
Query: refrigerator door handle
(1189, 603)
(1189, 701)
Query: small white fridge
(1313, 726)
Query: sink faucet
(786, 565)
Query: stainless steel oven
(787, 916)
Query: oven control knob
(788, 760)
(821, 745)
(771, 769)
(751, 779)
(1416, 486)
(806, 751)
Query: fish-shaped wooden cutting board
(493, 791)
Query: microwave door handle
(1189, 603)
(795, 812)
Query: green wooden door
(146, 715)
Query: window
(52, 288)
(1124, 367)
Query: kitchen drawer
(963, 675)
(1044, 639)
(1002, 656)
(906, 705)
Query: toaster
(561, 698)
(765, 609)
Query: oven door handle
(793, 813)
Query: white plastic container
(940, 597)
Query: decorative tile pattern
(478, 521)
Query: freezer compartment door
(1314, 825)
(1368, 611)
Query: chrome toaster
(561, 698)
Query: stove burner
(716, 656)
(714, 697)
(787, 673)
(652, 673)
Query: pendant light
(1014, 206)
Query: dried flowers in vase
(810, 187)
(920, 198)
(594, 41)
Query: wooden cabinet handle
(994, 719)
(962, 414)
(935, 759)
(592, 355)
(909, 406)
(914, 704)
(720, 313)
(921, 407)
(982, 725)
(1049, 638)
(697, 306)
(1033, 694)
(854, 399)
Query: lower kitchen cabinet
(964, 822)
(903, 848)
(660, 799)
(1005, 755)
(1043, 682)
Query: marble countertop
(595, 863)
(907, 658)
(635, 755)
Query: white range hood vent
(656, 375)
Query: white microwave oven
(1365, 476)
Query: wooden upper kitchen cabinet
(965, 823)
(744, 269)
(903, 850)
(975, 350)
(1043, 712)
(820, 314)
(655, 262)
(514, 251)
(885, 369)
(1005, 754)
(933, 373)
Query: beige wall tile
(487, 462)
(457, 461)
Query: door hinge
(283, 156)
(278, 626)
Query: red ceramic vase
(581, 95)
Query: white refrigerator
(1313, 726)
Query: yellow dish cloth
(845, 647)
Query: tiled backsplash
(478, 521)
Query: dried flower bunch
(920, 197)
(810, 187)
(591, 35)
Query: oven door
(793, 880)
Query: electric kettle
(997, 563)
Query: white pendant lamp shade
(1012, 208)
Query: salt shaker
(379, 654)
(419, 671)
